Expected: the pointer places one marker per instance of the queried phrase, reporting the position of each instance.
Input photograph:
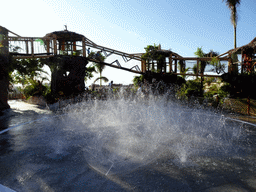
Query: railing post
(55, 44)
(32, 47)
(26, 47)
(170, 63)
(84, 48)
(248, 105)
(197, 67)
(165, 65)
(47, 46)
(175, 69)
(143, 66)
(74, 46)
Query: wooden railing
(50, 47)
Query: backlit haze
(129, 26)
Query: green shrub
(36, 89)
(190, 88)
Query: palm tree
(202, 64)
(232, 5)
(183, 69)
(105, 79)
(99, 66)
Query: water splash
(121, 134)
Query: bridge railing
(40, 47)
(30, 46)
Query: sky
(130, 25)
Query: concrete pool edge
(5, 189)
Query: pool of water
(125, 145)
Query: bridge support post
(170, 63)
(48, 46)
(143, 66)
(26, 47)
(84, 48)
(55, 44)
(164, 65)
(4, 61)
(175, 67)
(197, 67)
(32, 47)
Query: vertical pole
(165, 65)
(230, 63)
(142, 66)
(170, 63)
(62, 45)
(72, 43)
(175, 67)
(242, 62)
(197, 67)
(248, 105)
(32, 47)
(74, 46)
(26, 47)
(84, 48)
(47, 46)
(55, 44)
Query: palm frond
(232, 6)
(105, 79)
(99, 67)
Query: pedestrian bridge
(68, 43)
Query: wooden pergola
(171, 62)
(248, 59)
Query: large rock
(68, 75)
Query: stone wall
(68, 74)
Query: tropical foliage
(153, 56)
(24, 70)
(36, 88)
(190, 88)
(89, 72)
(215, 62)
(138, 80)
(98, 65)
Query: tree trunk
(234, 36)
(100, 80)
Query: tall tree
(202, 64)
(232, 5)
(99, 66)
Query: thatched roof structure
(66, 35)
(239, 50)
(167, 53)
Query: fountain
(120, 137)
